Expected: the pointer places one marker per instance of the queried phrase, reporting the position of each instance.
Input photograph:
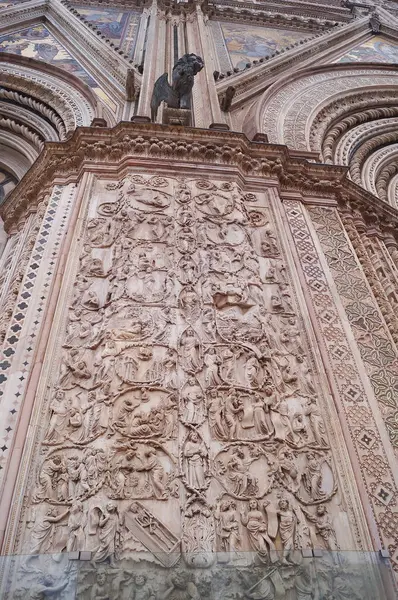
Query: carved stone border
(376, 472)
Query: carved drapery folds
(183, 379)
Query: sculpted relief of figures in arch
(184, 414)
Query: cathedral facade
(199, 299)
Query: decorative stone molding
(295, 98)
(149, 141)
(68, 97)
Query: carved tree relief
(183, 416)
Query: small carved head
(111, 507)
(140, 580)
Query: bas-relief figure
(183, 381)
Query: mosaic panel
(244, 43)
(38, 43)
(377, 49)
(118, 26)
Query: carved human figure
(189, 301)
(260, 408)
(287, 467)
(107, 523)
(191, 355)
(47, 488)
(73, 370)
(59, 420)
(43, 533)
(186, 240)
(287, 519)
(252, 372)
(192, 398)
(76, 524)
(147, 463)
(212, 368)
(279, 415)
(312, 477)
(312, 412)
(166, 322)
(228, 364)
(128, 406)
(141, 588)
(180, 588)
(77, 477)
(100, 590)
(305, 375)
(232, 409)
(215, 404)
(323, 527)
(238, 474)
(46, 587)
(169, 369)
(256, 525)
(195, 454)
(269, 246)
(92, 463)
(227, 518)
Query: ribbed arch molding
(348, 115)
(37, 105)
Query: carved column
(354, 224)
(206, 105)
(154, 62)
(391, 244)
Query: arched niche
(345, 114)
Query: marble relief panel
(181, 412)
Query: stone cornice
(101, 149)
(318, 12)
(21, 15)
(259, 15)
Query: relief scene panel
(182, 414)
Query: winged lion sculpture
(179, 93)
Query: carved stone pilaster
(356, 228)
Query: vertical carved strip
(35, 270)
(375, 470)
(355, 226)
(378, 353)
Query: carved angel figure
(179, 93)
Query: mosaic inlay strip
(25, 324)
